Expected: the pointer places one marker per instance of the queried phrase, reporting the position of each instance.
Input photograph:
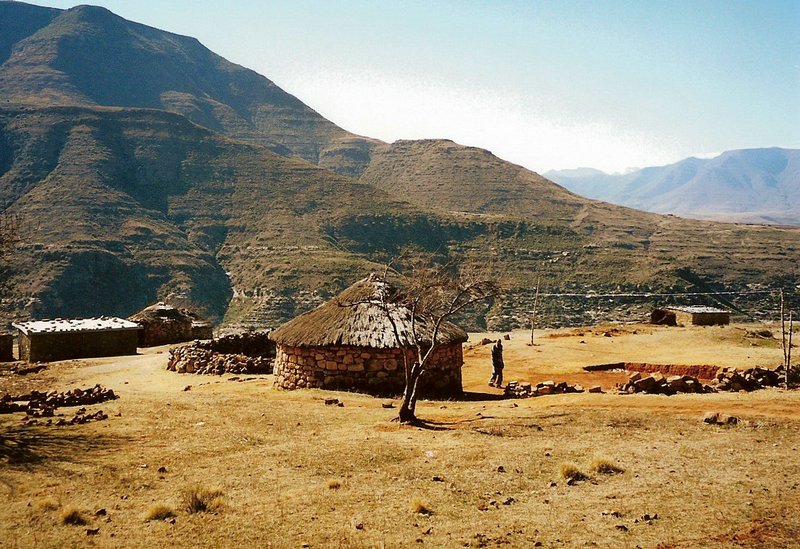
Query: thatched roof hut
(356, 317)
(162, 324)
(350, 343)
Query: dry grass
(420, 507)
(605, 466)
(72, 516)
(272, 452)
(47, 504)
(200, 499)
(159, 511)
(570, 471)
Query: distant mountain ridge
(749, 185)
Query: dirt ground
(296, 472)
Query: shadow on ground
(29, 447)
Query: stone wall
(202, 330)
(248, 353)
(684, 318)
(374, 371)
(47, 347)
(162, 332)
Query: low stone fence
(248, 353)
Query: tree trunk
(408, 408)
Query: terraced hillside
(187, 198)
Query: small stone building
(59, 339)
(349, 343)
(692, 315)
(163, 324)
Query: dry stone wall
(249, 353)
(162, 332)
(364, 369)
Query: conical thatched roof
(356, 318)
(161, 312)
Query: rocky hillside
(89, 56)
(750, 185)
(172, 188)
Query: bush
(570, 471)
(47, 504)
(420, 507)
(606, 466)
(199, 499)
(334, 484)
(159, 511)
(72, 517)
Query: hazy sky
(556, 84)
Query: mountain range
(748, 185)
(143, 166)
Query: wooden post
(533, 315)
(783, 341)
(789, 348)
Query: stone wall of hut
(202, 330)
(162, 332)
(684, 318)
(46, 347)
(364, 369)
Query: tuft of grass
(199, 499)
(420, 507)
(71, 516)
(159, 511)
(334, 484)
(47, 504)
(605, 466)
(570, 471)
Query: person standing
(497, 365)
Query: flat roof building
(63, 339)
(690, 315)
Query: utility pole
(535, 304)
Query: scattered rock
(162, 469)
(658, 384)
(715, 418)
(92, 531)
(516, 389)
(42, 404)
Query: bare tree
(431, 293)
